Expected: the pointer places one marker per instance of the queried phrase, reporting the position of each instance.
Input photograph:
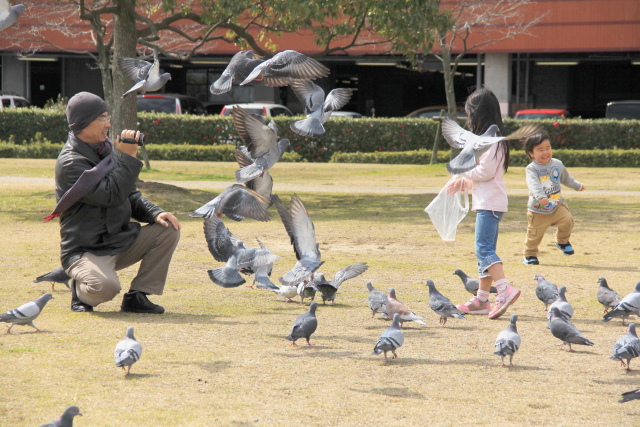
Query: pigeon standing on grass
(546, 292)
(128, 351)
(285, 291)
(236, 202)
(394, 306)
(66, 420)
(9, 14)
(56, 276)
(508, 341)
(565, 309)
(146, 75)
(441, 305)
(376, 299)
(306, 291)
(317, 108)
(305, 325)
(626, 347)
(629, 305)
(471, 284)
(285, 67)
(606, 296)
(329, 289)
(565, 331)
(390, 340)
(26, 313)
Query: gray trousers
(96, 278)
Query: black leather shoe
(76, 304)
(137, 302)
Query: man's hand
(130, 149)
(165, 218)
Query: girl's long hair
(483, 110)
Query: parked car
(13, 101)
(433, 111)
(271, 110)
(347, 114)
(542, 113)
(623, 110)
(170, 103)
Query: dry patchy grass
(219, 357)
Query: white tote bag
(447, 210)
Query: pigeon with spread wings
(284, 67)
(146, 75)
(317, 107)
(9, 14)
(236, 202)
(237, 70)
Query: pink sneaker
(474, 306)
(503, 301)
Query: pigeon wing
(136, 69)
(349, 272)
(242, 201)
(221, 242)
(337, 99)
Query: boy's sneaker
(475, 306)
(565, 248)
(503, 301)
(530, 260)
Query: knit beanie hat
(82, 109)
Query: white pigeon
(26, 313)
(390, 340)
(9, 14)
(285, 291)
(329, 289)
(146, 75)
(284, 67)
(508, 341)
(473, 146)
(236, 202)
(238, 69)
(629, 305)
(317, 108)
(303, 238)
(225, 247)
(128, 351)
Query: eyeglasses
(104, 119)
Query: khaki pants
(96, 278)
(538, 224)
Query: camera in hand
(133, 141)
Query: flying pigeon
(237, 70)
(565, 309)
(226, 247)
(473, 146)
(546, 292)
(26, 313)
(565, 331)
(317, 108)
(262, 184)
(146, 75)
(441, 305)
(626, 347)
(236, 202)
(394, 306)
(286, 66)
(304, 326)
(629, 305)
(128, 351)
(508, 341)
(9, 14)
(471, 284)
(56, 276)
(390, 340)
(66, 420)
(263, 147)
(302, 233)
(377, 300)
(285, 291)
(328, 289)
(630, 395)
(607, 296)
(305, 290)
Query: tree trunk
(448, 73)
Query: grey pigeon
(9, 14)
(284, 67)
(565, 331)
(56, 276)
(302, 234)
(262, 184)
(304, 325)
(471, 284)
(508, 341)
(128, 351)
(629, 305)
(66, 419)
(305, 290)
(26, 313)
(390, 340)
(226, 247)
(329, 289)
(626, 347)
(546, 292)
(263, 147)
(237, 70)
(565, 309)
(376, 299)
(236, 202)
(606, 296)
(630, 395)
(317, 108)
(441, 305)
(285, 291)
(146, 75)
(473, 146)
(394, 306)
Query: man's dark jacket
(100, 222)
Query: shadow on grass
(134, 376)
(596, 267)
(177, 318)
(212, 367)
(403, 392)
